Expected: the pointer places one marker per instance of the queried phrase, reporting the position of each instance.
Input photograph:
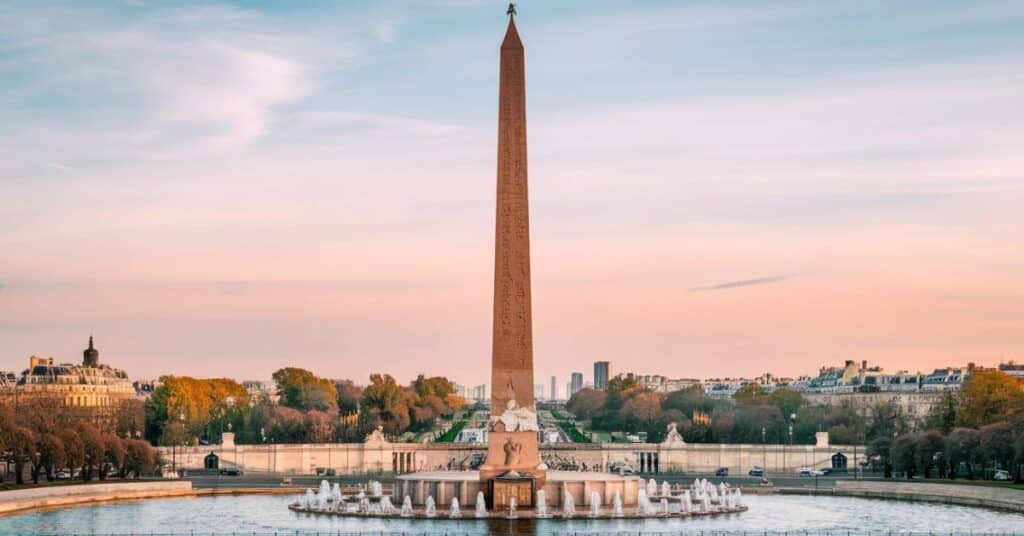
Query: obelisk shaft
(512, 343)
(513, 468)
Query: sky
(716, 188)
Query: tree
(140, 458)
(115, 454)
(385, 404)
(348, 396)
(996, 444)
(963, 447)
(789, 401)
(194, 404)
(22, 447)
(751, 394)
(318, 427)
(94, 448)
(51, 453)
(74, 450)
(903, 454)
(585, 402)
(689, 400)
(930, 448)
(303, 390)
(990, 396)
(880, 449)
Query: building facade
(90, 391)
(602, 373)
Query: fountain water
(431, 509)
(595, 504)
(336, 493)
(376, 489)
(617, 504)
(455, 512)
(666, 490)
(407, 507)
(310, 500)
(739, 498)
(705, 505)
(664, 507)
(542, 504)
(323, 497)
(512, 508)
(481, 505)
(644, 505)
(568, 506)
(386, 507)
(686, 506)
(652, 488)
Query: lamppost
(764, 454)
(174, 444)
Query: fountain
(643, 502)
(617, 504)
(739, 498)
(310, 501)
(568, 506)
(664, 507)
(595, 504)
(407, 507)
(666, 490)
(686, 506)
(652, 488)
(481, 505)
(512, 508)
(386, 507)
(542, 504)
(430, 509)
(455, 512)
(376, 489)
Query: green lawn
(452, 433)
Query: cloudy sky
(717, 188)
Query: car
(722, 471)
(756, 471)
(1001, 474)
(62, 475)
(231, 471)
(622, 468)
(805, 472)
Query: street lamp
(764, 454)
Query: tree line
(309, 409)
(982, 421)
(41, 440)
(971, 433)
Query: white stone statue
(515, 418)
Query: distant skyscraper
(602, 371)
(538, 391)
(576, 384)
(554, 388)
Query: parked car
(722, 471)
(62, 475)
(806, 472)
(622, 468)
(231, 471)
(1001, 474)
(757, 471)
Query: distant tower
(554, 389)
(576, 384)
(90, 357)
(602, 372)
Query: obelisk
(512, 451)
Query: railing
(525, 530)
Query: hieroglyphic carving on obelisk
(513, 415)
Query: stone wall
(378, 456)
(50, 496)
(963, 494)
